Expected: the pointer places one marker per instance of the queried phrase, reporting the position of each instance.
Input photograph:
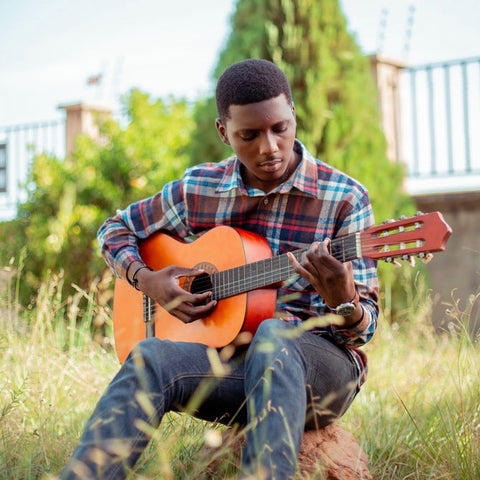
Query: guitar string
(263, 278)
(343, 255)
(206, 285)
(150, 308)
(229, 289)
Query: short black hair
(250, 81)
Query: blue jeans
(285, 381)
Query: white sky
(49, 48)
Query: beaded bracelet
(134, 282)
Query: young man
(288, 378)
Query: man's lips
(270, 161)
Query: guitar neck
(270, 271)
(419, 235)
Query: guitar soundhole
(201, 283)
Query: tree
(333, 90)
(69, 199)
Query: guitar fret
(345, 249)
(252, 276)
(273, 270)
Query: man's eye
(248, 136)
(281, 129)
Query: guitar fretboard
(270, 271)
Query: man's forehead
(273, 110)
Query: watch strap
(353, 303)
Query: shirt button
(265, 201)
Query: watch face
(345, 309)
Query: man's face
(262, 136)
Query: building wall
(455, 273)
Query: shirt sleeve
(119, 236)
(362, 333)
(359, 219)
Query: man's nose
(268, 144)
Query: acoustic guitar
(242, 275)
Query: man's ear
(222, 131)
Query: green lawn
(417, 417)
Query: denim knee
(146, 349)
(271, 329)
(274, 339)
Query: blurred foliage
(68, 199)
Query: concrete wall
(386, 74)
(455, 273)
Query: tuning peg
(393, 261)
(409, 258)
(425, 257)
(419, 213)
(428, 257)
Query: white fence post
(386, 73)
(82, 118)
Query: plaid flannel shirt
(316, 202)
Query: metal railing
(441, 118)
(19, 145)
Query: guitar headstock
(419, 236)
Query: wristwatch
(347, 308)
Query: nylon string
(247, 279)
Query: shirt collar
(304, 178)
(231, 177)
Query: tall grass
(417, 417)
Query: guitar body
(219, 249)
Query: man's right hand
(163, 286)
